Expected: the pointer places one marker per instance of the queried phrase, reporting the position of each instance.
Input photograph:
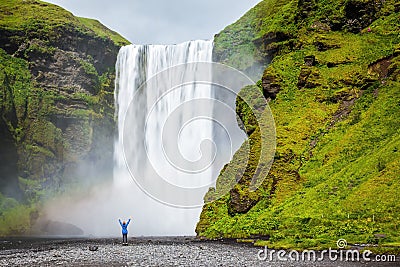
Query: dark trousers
(124, 238)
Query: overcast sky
(161, 21)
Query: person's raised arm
(120, 222)
(128, 221)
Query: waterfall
(163, 135)
(177, 128)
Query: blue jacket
(124, 227)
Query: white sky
(161, 21)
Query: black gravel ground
(163, 251)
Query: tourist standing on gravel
(124, 226)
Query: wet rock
(360, 14)
(241, 200)
(304, 7)
(248, 107)
(308, 77)
(8, 161)
(269, 44)
(56, 228)
(319, 26)
(381, 67)
(310, 61)
(323, 46)
(93, 248)
(380, 236)
(270, 85)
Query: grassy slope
(41, 18)
(333, 177)
(41, 21)
(234, 45)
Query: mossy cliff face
(57, 106)
(333, 87)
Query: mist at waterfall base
(168, 139)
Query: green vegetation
(15, 89)
(15, 219)
(38, 19)
(56, 102)
(273, 27)
(336, 170)
(102, 31)
(236, 44)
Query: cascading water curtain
(164, 133)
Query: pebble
(143, 253)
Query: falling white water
(159, 108)
(175, 132)
(176, 129)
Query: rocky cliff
(56, 105)
(332, 83)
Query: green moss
(53, 125)
(37, 48)
(336, 167)
(246, 42)
(15, 82)
(88, 68)
(235, 45)
(90, 99)
(102, 31)
(39, 19)
(15, 218)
